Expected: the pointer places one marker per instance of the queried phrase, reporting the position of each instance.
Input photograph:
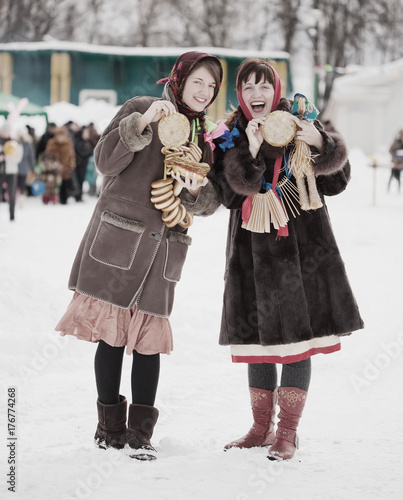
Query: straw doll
(300, 161)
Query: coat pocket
(177, 245)
(116, 240)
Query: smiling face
(199, 89)
(258, 96)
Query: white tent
(367, 107)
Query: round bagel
(162, 183)
(161, 190)
(166, 203)
(168, 216)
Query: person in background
(31, 132)
(72, 128)
(9, 160)
(41, 145)
(83, 149)
(396, 151)
(27, 163)
(59, 154)
(93, 177)
(94, 135)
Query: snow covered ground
(350, 434)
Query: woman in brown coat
(129, 261)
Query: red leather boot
(291, 401)
(262, 431)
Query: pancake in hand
(174, 130)
(279, 128)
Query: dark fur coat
(280, 291)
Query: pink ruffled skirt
(93, 320)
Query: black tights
(264, 375)
(108, 371)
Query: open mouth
(200, 100)
(258, 106)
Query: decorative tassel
(289, 191)
(267, 209)
(303, 194)
(314, 197)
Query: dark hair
(215, 69)
(262, 69)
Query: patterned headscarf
(276, 97)
(179, 73)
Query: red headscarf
(248, 202)
(276, 97)
(178, 75)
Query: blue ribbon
(229, 138)
(288, 172)
(268, 185)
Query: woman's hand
(254, 135)
(155, 112)
(191, 184)
(307, 132)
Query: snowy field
(351, 431)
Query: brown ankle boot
(291, 401)
(140, 427)
(111, 429)
(262, 431)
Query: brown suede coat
(281, 291)
(128, 255)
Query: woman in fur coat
(286, 295)
(129, 262)
(59, 163)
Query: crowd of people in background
(54, 165)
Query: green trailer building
(49, 72)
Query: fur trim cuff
(202, 203)
(129, 133)
(179, 237)
(334, 154)
(122, 222)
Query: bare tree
(209, 22)
(386, 28)
(95, 9)
(287, 17)
(338, 35)
(25, 20)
